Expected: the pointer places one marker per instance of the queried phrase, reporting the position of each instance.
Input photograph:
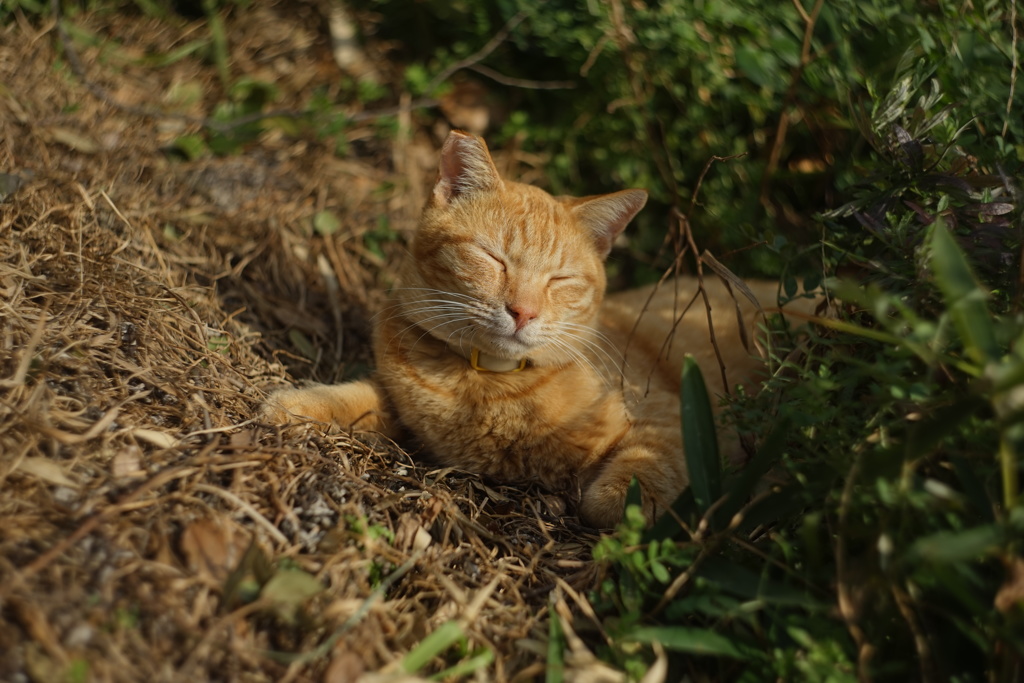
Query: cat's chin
(508, 349)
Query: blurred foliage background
(874, 146)
(661, 89)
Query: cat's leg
(660, 473)
(354, 405)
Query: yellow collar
(485, 362)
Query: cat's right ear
(466, 168)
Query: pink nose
(521, 314)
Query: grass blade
(964, 296)
(957, 546)
(699, 438)
(696, 641)
(446, 635)
(466, 666)
(555, 672)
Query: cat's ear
(466, 167)
(607, 215)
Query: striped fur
(511, 270)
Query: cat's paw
(355, 405)
(291, 406)
(604, 501)
(661, 481)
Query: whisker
(599, 355)
(591, 341)
(412, 307)
(436, 291)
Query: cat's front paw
(291, 406)
(355, 405)
(604, 501)
(661, 479)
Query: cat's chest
(538, 424)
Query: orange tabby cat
(499, 354)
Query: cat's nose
(521, 314)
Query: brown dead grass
(146, 305)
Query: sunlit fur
(510, 270)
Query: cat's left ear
(466, 168)
(607, 215)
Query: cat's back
(657, 326)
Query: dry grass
(146, 305)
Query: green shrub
(886, 545)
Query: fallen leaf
(155, 438)
(212, 548)
(127, 463)
(243, 438)
(74, 140)
(48, 470)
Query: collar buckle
(474, 362)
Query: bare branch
(521, 82)
(480, 54)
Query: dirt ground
(150, 528)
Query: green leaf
(326, 223)
(973, 487)
(956, 546)
(302, 343)
(692, 640)
(446, 635)
(749, 585)
(219, 344)
(759, 65)
(699, 438)
(964, 297)
(288, 589)
(244, 582)
(924, 436)
(466, 666)
(191, 147)
(634, 494)
(555, 670)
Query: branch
(521, 82)
(805, 58)
(480, 54)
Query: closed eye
(495, 259)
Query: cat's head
(506, 267)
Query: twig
(325, 647)
(844, 598)
(805, 58)
(92, 522)
(245, 507)
(924, 651)
(524, 83)
(479, 55)
(685, 224)
(624, 39)
(1016, 63)
(594, 54)
(681, 250)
